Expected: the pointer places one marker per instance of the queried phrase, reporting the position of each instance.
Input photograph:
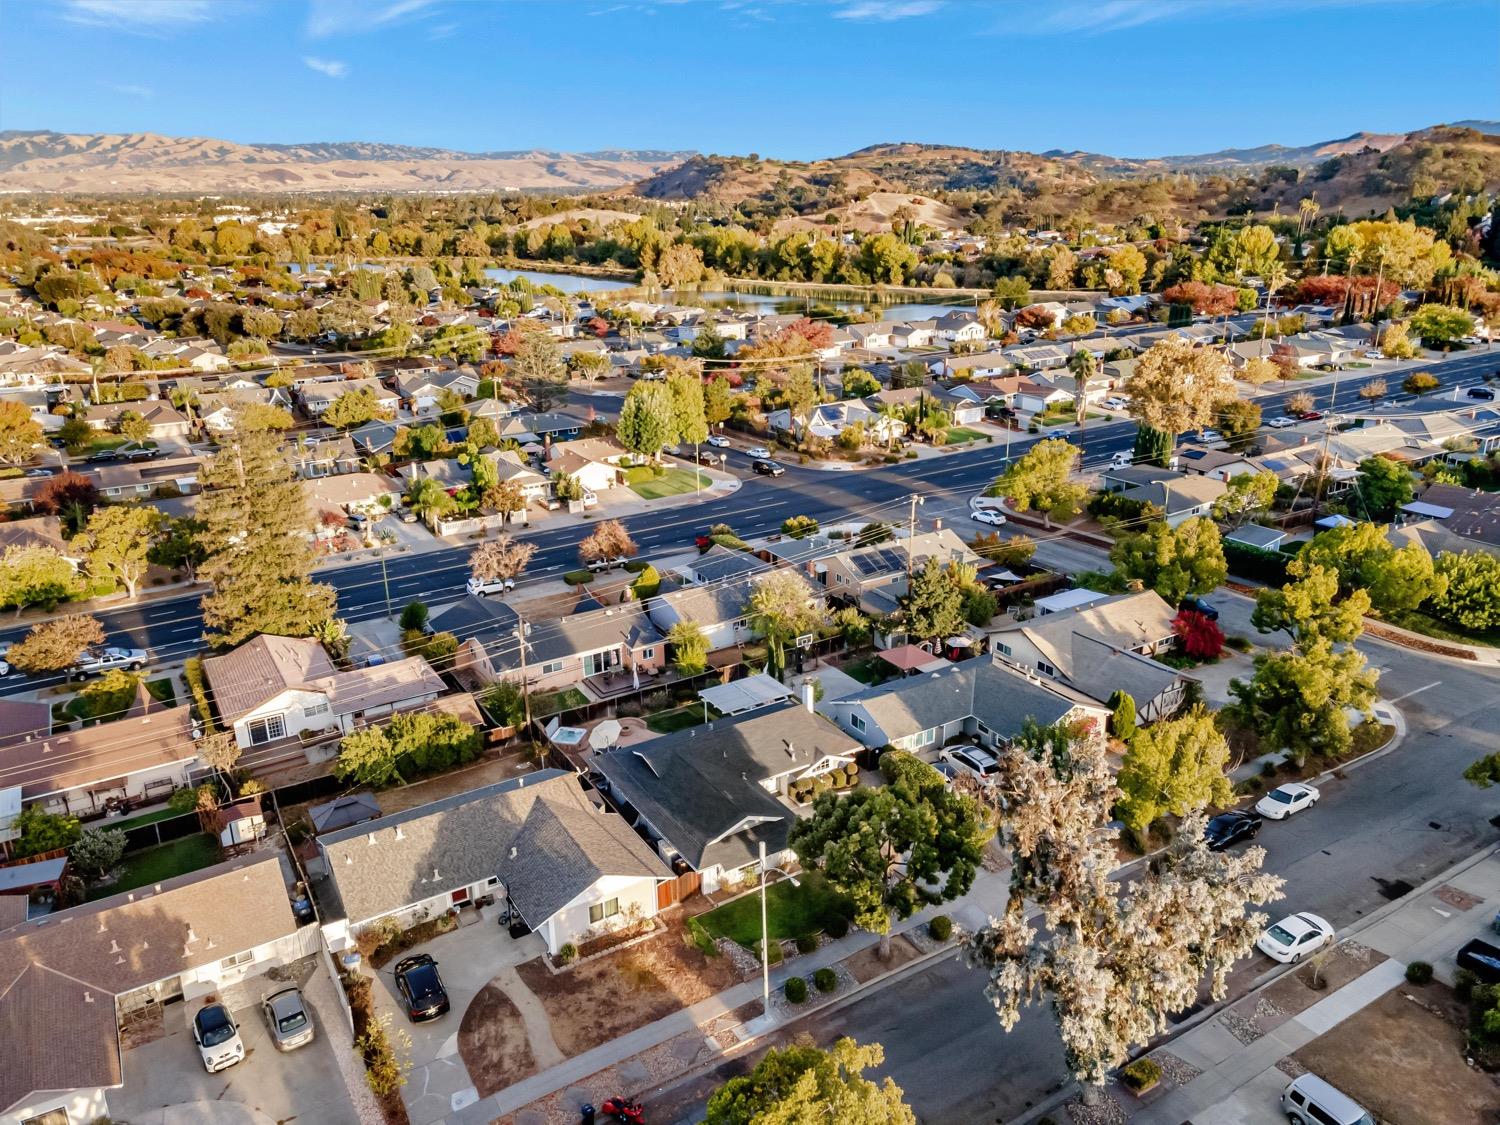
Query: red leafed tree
(1035, 317)
(510, 342)
(1207, 300)
(1337, 292)
(1202, 639)
(598, 326)
(64, 491)
(818, 333)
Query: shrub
(192, 672)
(941, 928)
(97, 851)
(414, 616)
(837, 927)
(799, 527)
(773, 953)
(796, 990)
(807, 943)
(1420, 383)
(825, 980)
(567, 953)
(1268, 769)
(1141, 1074)
(1419, 972)
(1463, 984)
(646, 584)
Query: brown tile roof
(22, 717)
(259, 669)
(76, 758)
(59, 1034)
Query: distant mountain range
(150, 162)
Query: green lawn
(679, 718)
(869, 670)
(144, 818)
(78, 709)
(163, 862)
(1419, 622)
(791, 911)
(961, 434)
(673, 482)
(550, 703)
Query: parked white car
(98, 660)
(1281, 422)
(1287, 799)
(718, 442)
(484, 587)
(987, 515)
(1294, 937)
(1115, 403)
(218, 1038)
(4, 663)
(758, 451)
(975, 761)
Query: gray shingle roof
(697, 786)
(537, 833)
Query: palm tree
(427, 497)
(1081, 363)
(1275, 276)
(1307, 210)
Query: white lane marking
(1416, 691)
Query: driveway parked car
(987, 515)
(422, 991)
(1230, 828)
(287, 1019)
(1482, 959)
(1294, 937)
(217, 1037)
(1196, 604)
(1115, 403)
(1287, 799)
(978, 763)
(758, 451)
(99, 660)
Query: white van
(1308, 1100)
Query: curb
(1270, 977)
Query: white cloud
(129, 90)
(141, 16)
(331, 67)
(886, 11)
(1086, 17)
(349, 17)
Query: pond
(763, 303)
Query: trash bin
(588, 1114)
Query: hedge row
(1255, 564)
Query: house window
(1003, 650)
(237, 960)
(921, 738)
(602, 910)
(648, 654)
(57, 1116)
(266, 730)
(1045, 669)
(857, 723)
(318, 708)
(552, 666)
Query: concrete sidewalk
(1241, 1084)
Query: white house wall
(80, 1105)
(571, 923)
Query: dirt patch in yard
(1402, 1059)
(492, 1042)
(1295, 993)
(592, 1003)
(866, 965)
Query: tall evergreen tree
(256, 529)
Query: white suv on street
(484, 587)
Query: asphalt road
(172, 628)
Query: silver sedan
(287, 1019)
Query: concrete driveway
(165, 1081)
(468, 959)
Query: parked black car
(1482, 392)
(103, 456)
(141, 453)
(421, 988)
(1230, 828)
(768, 468)
(1198, 605)
(1482, 959)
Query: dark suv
(422, 991)
(1481, 392)
(1230, 828)
(768, 468)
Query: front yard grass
(166, 861)
(960, 435)
(791, 911)
(77, 709)
(673, 482)
(1429, 626)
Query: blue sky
(797, 79)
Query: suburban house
(980, 365)
(707, 798)
(216, 410)
(855, 573)
(314, 457)
(571, 869)
(1099, 648)
(69, 979)
(41, 531)
(278, 687)
(318, 397)
(606, 650)
(976, 698)
(510, 466)
(1221, 464)
(717, 610)
(1468, 512)
(960, 327)
(718, 564)
(873, 336)
(351, 492)
(142, 756)
(539, 428)
(833, 418)
(420, 390)
(595, 476)
(166, 422)
(1179, 496)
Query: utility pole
(765, 940)
(522, 630)
(915, 500)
